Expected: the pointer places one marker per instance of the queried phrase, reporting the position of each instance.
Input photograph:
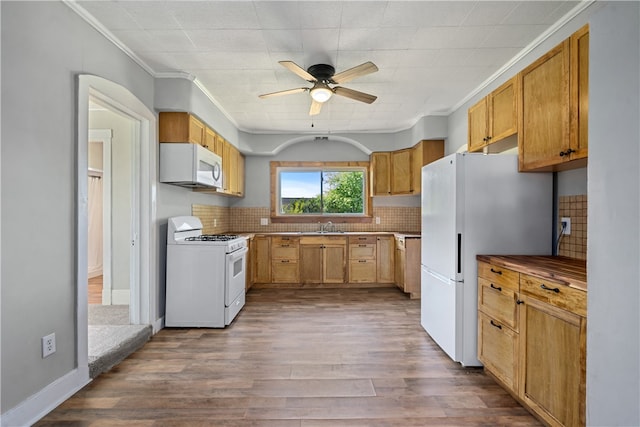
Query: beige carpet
(111, 337)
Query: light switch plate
(264, 221)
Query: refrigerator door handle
(459, 253)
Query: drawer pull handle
(285, 246)
(285, 260)
(362, 260)
(362, 246)
(496, 325)
(519, 302)
(496, 271)
(497, 288)
(546, 288)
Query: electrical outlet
(215, 222)
(264, 221)
(48, 345)
(566, 225)
(377, 220)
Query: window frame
(276, 217)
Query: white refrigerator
(473, 204)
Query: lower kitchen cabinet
(407, 265)
(284, 259)
(322, 259)
(362, 259)
(532, 337)
(261, 259)
(385, 255)
(551, 362)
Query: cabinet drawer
(285, 240)
(285, 271)
(498, 349)
(284, 252)
(498, 302)
(499, 275)
(554, 293)
(362, 271)
(362, 251)
(367, 240)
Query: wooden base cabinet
(551, 357)
(322, 259)
(407, 265)
(284, 259)
(532, 339)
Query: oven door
(236, 275)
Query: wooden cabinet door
(552, 381)
(503, 111)
(498, 348)
(362, 270)
(385, 252)
(424, 152)
(233, 173)
(544, 124)
(412, 267)
(380, 174)
(311, 263)
(399, 267)
(401, 177)
(241, 172)
(478, 126)
(579, 93)
(334, 263)
(261, 259)
(196, 131)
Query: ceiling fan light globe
(321, 94)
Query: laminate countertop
(568, 271)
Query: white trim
(524, 52)
(121, 99)
(36, 406)
(120, 297)
(104, 136)
(91, 20)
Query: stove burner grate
(212, 238)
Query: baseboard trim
(36, 406)
(120, 297)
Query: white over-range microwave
(189, 165)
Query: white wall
(613, 253)
(44, 46)
(122, 151)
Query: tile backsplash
(217, 219)
(574, 245)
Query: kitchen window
(317, 191)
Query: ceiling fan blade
(295, 68)
(284, 92)
(354, 94)
(357, 71)
(315, 107)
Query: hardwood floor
(95, 290)
(299, 358)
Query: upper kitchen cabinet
(424, 152)
(181, 127)
(553, 125)
(232, 171)
(380, 173)
(495, 117)
(398, 172)
(401, 173)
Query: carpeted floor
(111, 337)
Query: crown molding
(584, 4)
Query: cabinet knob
(519, 302)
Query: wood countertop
(568, 271)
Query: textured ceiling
(431, 54)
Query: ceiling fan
(322, 75)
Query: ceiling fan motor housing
(322, 72)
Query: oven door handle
(238, 254)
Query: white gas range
(206, 275)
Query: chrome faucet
(326, 227)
